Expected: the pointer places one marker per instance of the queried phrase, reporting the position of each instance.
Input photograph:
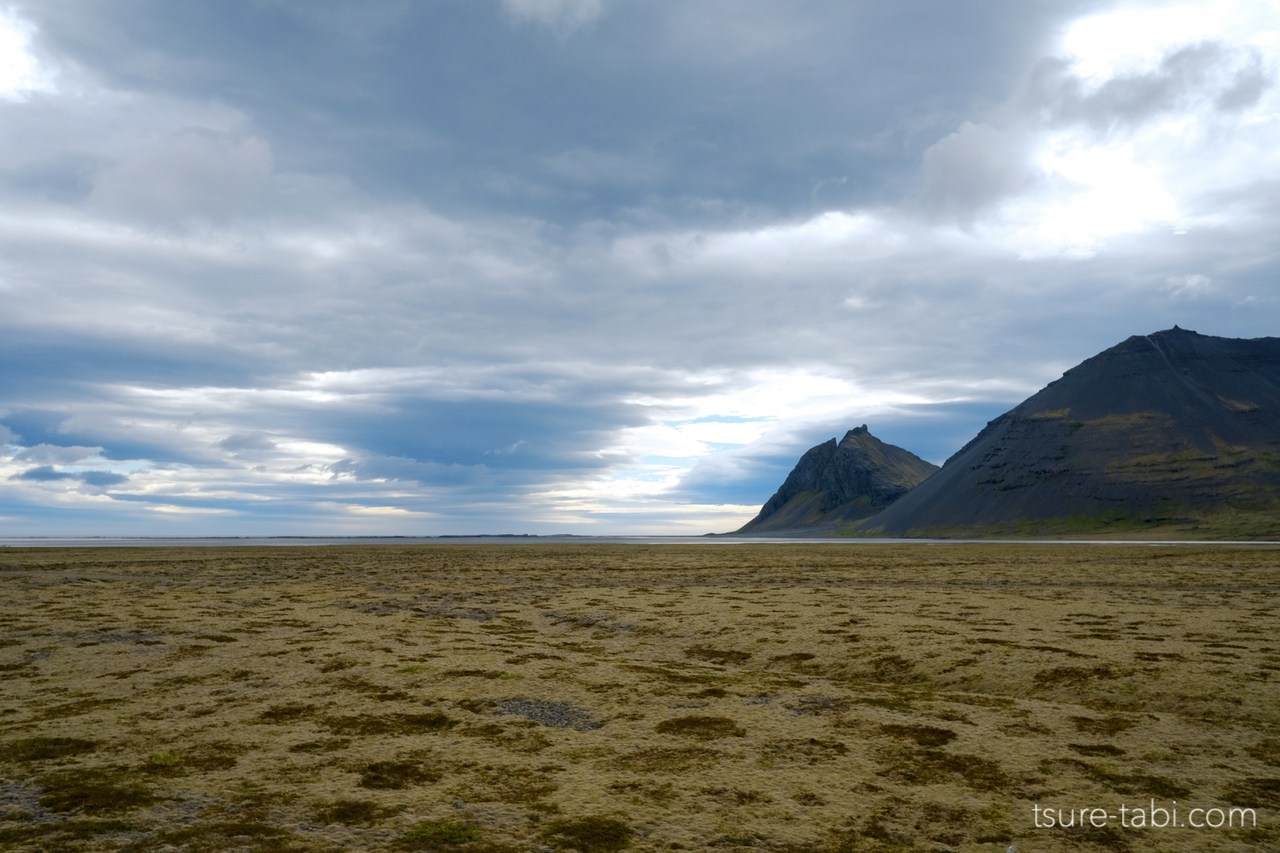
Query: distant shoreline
(558, 539)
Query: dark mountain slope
(835, 484)
(1172, 431)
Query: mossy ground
(819, 697)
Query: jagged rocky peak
(836, 483)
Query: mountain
(835, 484)
(1172, 432)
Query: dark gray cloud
(48, 474)
(683, 110)
(103, 479)
(42, 474)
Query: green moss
(75, 709)
(922, 735)
(352, 812)
(588, 834)
(710, 693)
(719, 656)
(430, 834)
(55, 835)
(1112, 725)
(392, 724)
(514, 785)
(93, 790)
(238, 835)
(668, 674)
(736, 796)
(490, 674)
(931, 766)
(45, 748)
(891, 669)
(1267, 751)
(163, 764)
(368, 688)
(220, 755)
(1096, 749)
(315, 747)
(1137, 783)
(337, 665)
(700, 727)
(794, 658)
(1120, 781)
(290, 713)
(1074, 676)
(396, 775)
(218, 638)
(666, 760)
(1254, 793)
(646, 792)
(803, 750)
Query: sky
(603, 267)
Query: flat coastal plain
(833, 697)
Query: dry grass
(832, 697)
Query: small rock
(459, 804)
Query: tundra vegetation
(817, 697)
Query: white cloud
(250, 441)
(1150, 111)
(970, 169)
(563, 16)
(52, 454)
(1190, 285)
(194, 174)
(1105, 192)
(21, 74)
(1135, 38)
(173, 509)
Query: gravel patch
(557, 715)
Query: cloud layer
(594, 267)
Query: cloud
(973, 168)
(421, 263)
(247, 441)
(562, 16)
(1078, 140)
(1227, 78)
(195, 174)
(50, 454)
(42, 474)
(21, 73)
(49, 474)
(1190, 285)
(399, 468)
(102, 479)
